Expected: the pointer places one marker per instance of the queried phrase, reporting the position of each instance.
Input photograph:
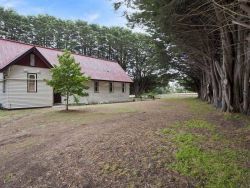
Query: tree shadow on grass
(74, 111)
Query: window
(111, 87)
(96, 86)
(32, 83)
(123, 87)
(32, 60)
(4, 84)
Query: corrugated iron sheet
(97, 69)
(9, 51)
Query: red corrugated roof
(97, 69)
(9, 51)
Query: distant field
(174, 95)
(178, 95)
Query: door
(57, 98)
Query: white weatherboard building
(24, 67)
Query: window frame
(96, 86)
(4, 83)
(32, 60)
(123, 87)
(111, 87)
(28, 79)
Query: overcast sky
(94, 11)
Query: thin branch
(241, 24)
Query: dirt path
(95, 146)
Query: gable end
(24, 60)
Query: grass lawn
(171, 142)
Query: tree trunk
(228, 62)
(238, 72)
(67, 102)
(84, 51)
(246, 78)
(136, 88)
(214, 86)
(218, 80)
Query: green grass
(168, 131)
(199, 124)
(194, 105)
(198, 107)
(236, 117)
(207, 166)
(118, 170)
(183, 139)
(210, 168)
(8, 177)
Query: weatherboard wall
(2, 94)
(103, 96)
(17, 96)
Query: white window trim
(4, 84)
(28, 79)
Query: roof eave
(125, 81)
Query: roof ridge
(15, 41)
(56, 49)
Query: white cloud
(10, 3)
(32, 10)
(92, 17)
(140, 29)
(22, 7)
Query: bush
(151, 95)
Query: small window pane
(111, 89)
(32, 60)
(32, 81)
(96, 86)
(123, 87)
(32, 77)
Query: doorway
(57, 98)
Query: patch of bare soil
(109, 146)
